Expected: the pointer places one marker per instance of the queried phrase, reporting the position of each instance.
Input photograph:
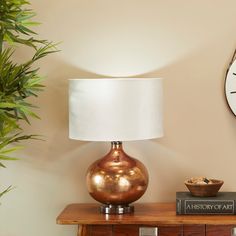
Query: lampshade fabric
(115, 109)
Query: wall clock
(230, 84)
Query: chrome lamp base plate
(116, 209)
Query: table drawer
(144, 230)
(220, 230)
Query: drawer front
(194, 230)
(125, 230)
(171, 230)
(221, 230)
(142, 230)
(98, 230)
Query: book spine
(203, 207)
(178, 207)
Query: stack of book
(222, 204)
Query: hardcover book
(222, 204)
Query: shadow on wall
(194, 92)
(193, 105)
(167, 169)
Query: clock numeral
(233, 92)
(234, 73)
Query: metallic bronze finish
(117, 179)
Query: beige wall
(189, 43)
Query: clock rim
(226, 76)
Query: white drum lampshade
(116, 110)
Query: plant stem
(1, 40)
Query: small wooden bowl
(204, 190)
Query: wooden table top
(145, 213)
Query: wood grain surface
(219, 230)
(194, 230)
(145, 213)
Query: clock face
(230, 87)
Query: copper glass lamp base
(116, 180)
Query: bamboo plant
(18, 81)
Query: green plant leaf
(9, 150)
(1, 165)
(8, 105)
(30, 23)
(6, 191)
(18, 81)
(7, 158)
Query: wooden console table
(149, 219)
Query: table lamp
(116, 110)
